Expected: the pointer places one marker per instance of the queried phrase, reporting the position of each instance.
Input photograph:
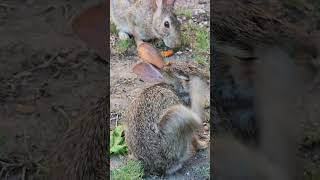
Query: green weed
(202, 41)
(117, 141)
(185, 12)
(113, 28)
(122, 46)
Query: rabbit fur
(146, 20)
(160, 128)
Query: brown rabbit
(160, 128)
(146, 20)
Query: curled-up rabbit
(146, 20)
(160, 128)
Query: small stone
(202, 2)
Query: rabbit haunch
(161, 129)
(146, 20)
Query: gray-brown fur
(144, 19)
(160, 128)
(81, 153)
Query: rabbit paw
(199, 144)
(173, 169)
(123, 35)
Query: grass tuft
(184, 12)
(122, 46)
(113, 29)
(130, 170)
(202, 40)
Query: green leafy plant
(130, 170)
(117, 141)
(122, 46)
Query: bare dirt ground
(46, 76)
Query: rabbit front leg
(134, 29)
(123, 35)
(136, 36)
(198, 144)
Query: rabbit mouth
(171, 43)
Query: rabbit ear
(91, 27)
(148, 72)
(159, 3)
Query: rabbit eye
(166, 24)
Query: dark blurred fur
(238, 26)
(277, 89)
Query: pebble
(206, 128)
(202, 2)
(26, 109)
(196, 12)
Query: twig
(6, 6)
(26, 143)
(117, 120)
(2, 171)
(66, 11)
(43, 65)
(63, 113)
(23, 175)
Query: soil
(47, 75)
